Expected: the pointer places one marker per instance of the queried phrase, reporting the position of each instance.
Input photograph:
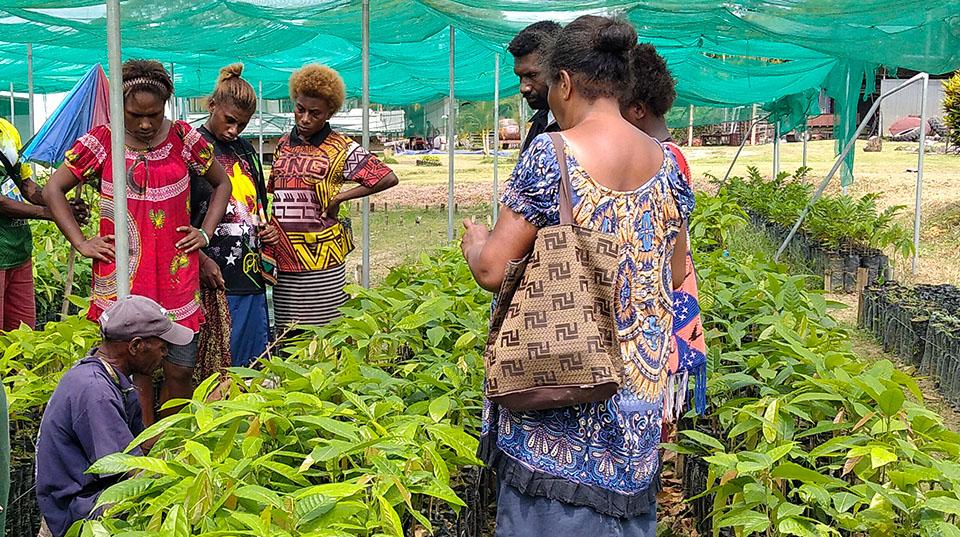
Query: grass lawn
(423, 191)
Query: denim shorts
(183, 355)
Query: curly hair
(234, 90)
(653, 85)
(146, 75)
(595, 51)
(319, 82)
(538, 37)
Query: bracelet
(205, 236)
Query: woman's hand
(100, 248)
(474, 237)
(332, 212)
(270, 234)
(210, 275)
(81, 211)
(194, 240)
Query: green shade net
(719, 52)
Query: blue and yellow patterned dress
(602, 455)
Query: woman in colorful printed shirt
(310, 166)
(232, 261)
(164, 258)
(591, 469)
(646, 107)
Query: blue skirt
(519, 515)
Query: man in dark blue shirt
(95, 410)
(529, 49)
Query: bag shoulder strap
(566, 188)
(12, 170)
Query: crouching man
(95, 410)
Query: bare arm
(388, 181)
(678, 263)
(55, 197)
(18, 209)
(488, 252)
(194, 240)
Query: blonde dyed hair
(320, 82)
(232, 89)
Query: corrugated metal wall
(907, 101)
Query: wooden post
(861, 280)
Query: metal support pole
(753, 132)
(451, 131)
(260, 121)
(117, 150)
(496, 137)
(776, 150)
(365, 103)
(806, 138)
(690, 128)
(13, 110)
(175, 101)
(922, 150)
(743, 141)
(31, 128)
(839, 161)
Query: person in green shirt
(20, 201)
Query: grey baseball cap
(138, 316)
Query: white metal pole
(117, 150)
(690, 128)
(174, 102)
(806, 138)
(921, 151)
(496, 136)
(451, 130)
(776, 149)
(31, 128)
(365, 103)
(753, 132)
(13, 111)
(260, 121)
(839, 160)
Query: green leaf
(843, 501)
(881, 456)
(413, 321)
(439, 407)
(332, 490)
(460, 442)
(175, 524)
(125, 490)
(260, 495)
(793, 471)
(118, 463)
(944, 504)
(441, 491)
(435, 335)
(749, 521)
(703, 439)
(389, 519)
(891, 401)
(314, 506)
(800, 528)
(339, 428)
(465, 340)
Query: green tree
(951, 107)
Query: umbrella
(85, 107)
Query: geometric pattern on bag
(553, 336)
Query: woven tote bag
(552, 339)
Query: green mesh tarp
(779, 53)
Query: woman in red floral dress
(164, 264)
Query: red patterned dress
(158, 202)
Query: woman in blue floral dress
(593, 467)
